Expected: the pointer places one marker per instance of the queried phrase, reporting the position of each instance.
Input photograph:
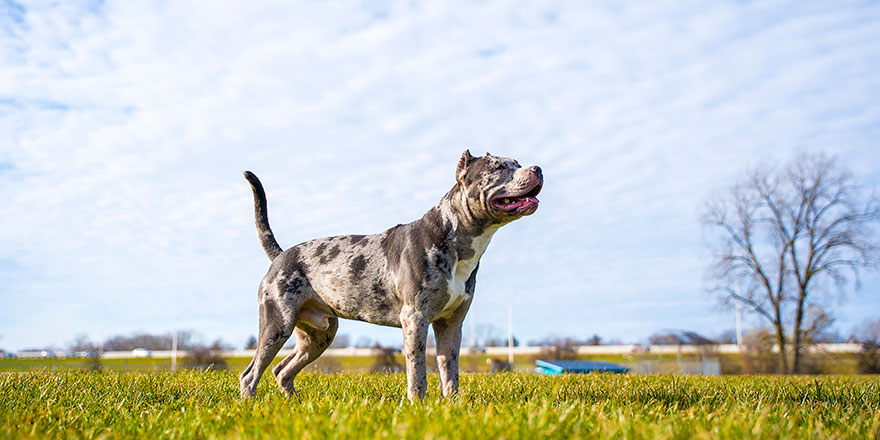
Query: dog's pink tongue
(525, 201)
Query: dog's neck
(464, 225)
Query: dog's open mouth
(518, 203)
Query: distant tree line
(186, 340)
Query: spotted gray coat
(410, 276)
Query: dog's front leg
(415, 335)
(447, 332)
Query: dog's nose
(536, 171)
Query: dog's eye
(500, 167)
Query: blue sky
(127, 125)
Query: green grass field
(71, 404)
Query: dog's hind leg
(276, 325)
(311, 341)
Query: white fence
(517, 351)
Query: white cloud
(129, 124)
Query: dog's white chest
(462, 270)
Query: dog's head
(498, 189)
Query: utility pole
(174, 348)
(174, 339)
(510, 333)
(101, 342)
(739, 326)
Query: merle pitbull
(410, 276)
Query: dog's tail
(261, 217)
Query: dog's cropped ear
(463, 163)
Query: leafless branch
(791, 231)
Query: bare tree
(82, 343)
(868, 331)
(341, 341)
(679, 337)
(868, 334)
(490, 335)
(498, 366)
(556, 348)
(758, 355)
(186, 340)
(386, 360)
(364, 342)
(726, 336)
(787, 242)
